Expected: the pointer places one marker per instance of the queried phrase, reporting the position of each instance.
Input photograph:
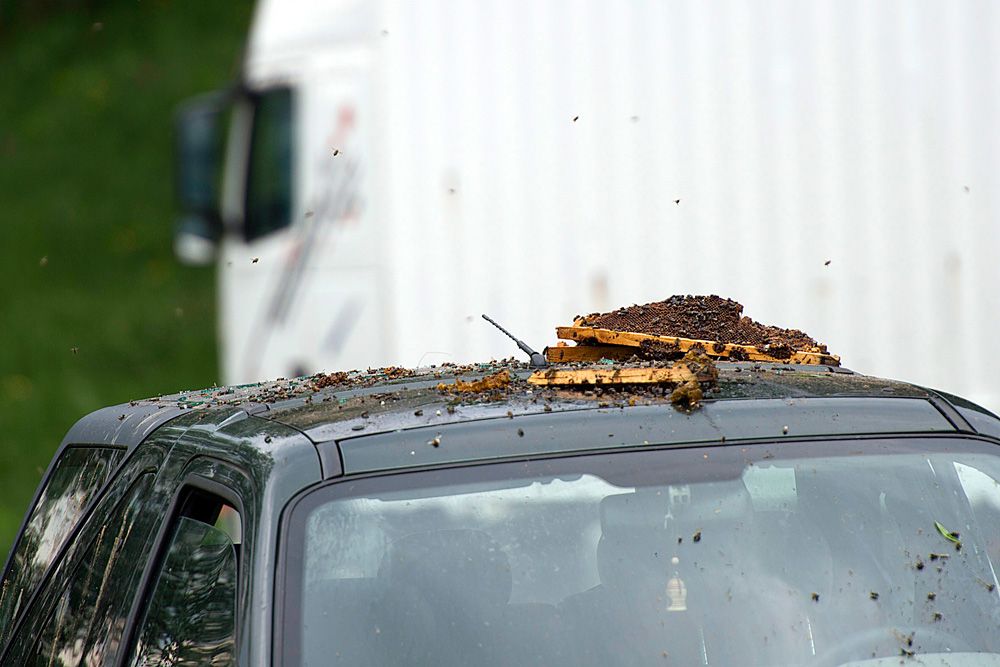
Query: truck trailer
(390, 170)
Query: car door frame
(201, 472)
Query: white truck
(393, 169)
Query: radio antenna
(537, 359)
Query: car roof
(388, 418)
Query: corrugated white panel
(792, 133)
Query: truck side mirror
(198, 128)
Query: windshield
(737, 555)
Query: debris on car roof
(498, 380)
(668, 329)
(660, 351)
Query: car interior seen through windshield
(740, 555)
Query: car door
(195, 586)
(79, 611)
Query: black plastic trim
(945, 407)
(622, 427)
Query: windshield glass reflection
(786, 561)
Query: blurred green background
(94, 308)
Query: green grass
(86, 107)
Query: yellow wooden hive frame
(693, 368)
(594, 344)
(611, 376)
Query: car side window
(190, 618)
(75, 478)
(269, 173)
(86, 623)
